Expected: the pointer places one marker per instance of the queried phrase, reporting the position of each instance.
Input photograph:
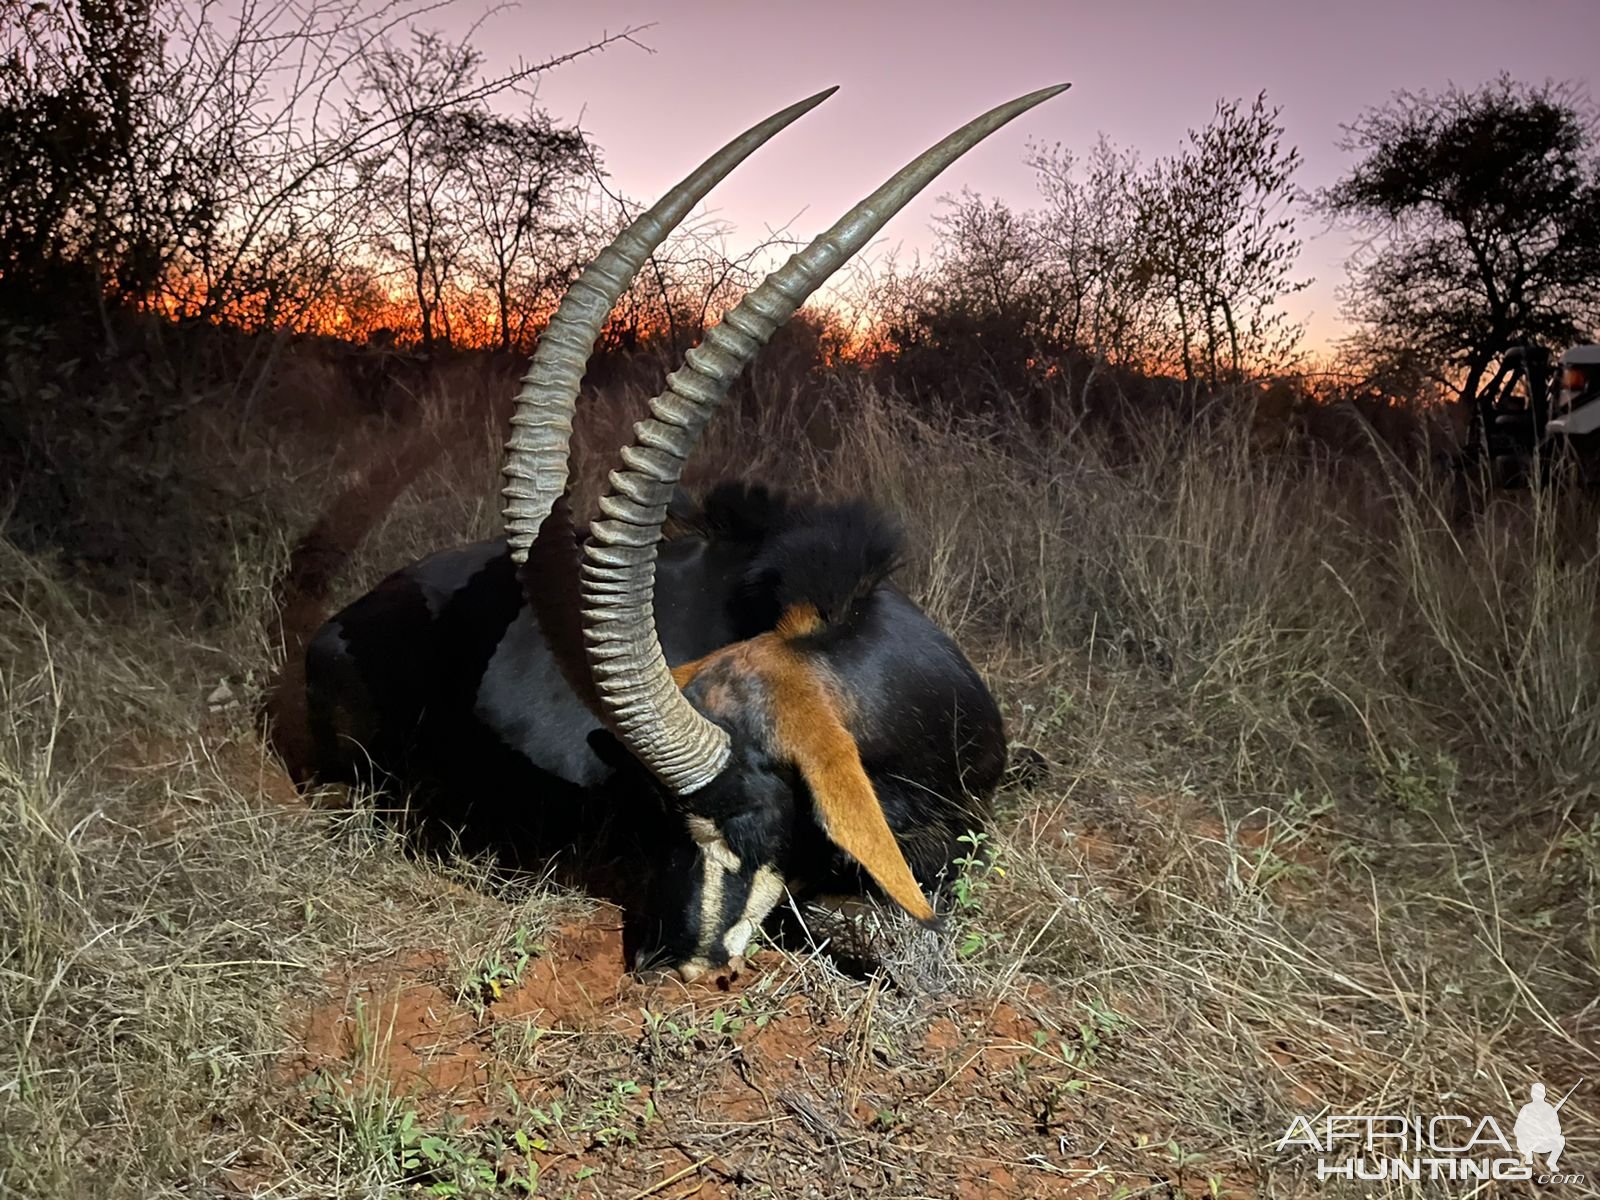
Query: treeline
(1476, 216)
(328, 167)
(1180, 267)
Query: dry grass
(1321, 834)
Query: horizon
(972, 61)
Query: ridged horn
(541, 426)
(643, 705)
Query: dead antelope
(755, 692)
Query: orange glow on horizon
(372, 311)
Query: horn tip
(806, 105)
(1045, 93)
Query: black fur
(831, 557)
(439, 686)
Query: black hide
(438, 687)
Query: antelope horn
(541, 427)
(643, 705)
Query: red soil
(805, 1097)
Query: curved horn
(645, 708)
(541, 427)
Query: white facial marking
(709, 838)
(711, 875)
(766, 889)
(717, 861)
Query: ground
(748, 1084)
(1317, 835)
(522, 1057)
(547, 1067)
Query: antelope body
(756, 696)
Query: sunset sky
(1142, 73)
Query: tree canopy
(1481, 211)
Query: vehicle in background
(1533, 419)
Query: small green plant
(1355, 859)
(527, 1181)
(977, 870)
(448, 1166)
(890, 1120)
(1096, 1030)
(377, 1129)
(725, 1025)
(1301, 811)
(1183, 1160)
(1290, 827)
(486, 1162)
(607, 1120)
(1052, 1097)
(1077, 1053)
(1044, 721)
(518, 1040)
(1416, 785)
(496, 972)
(756, 1015)
(668, 1038)
(392, 1144)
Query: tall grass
(1324, 741)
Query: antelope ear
(851, 816)
(804, 727)
(811, 735)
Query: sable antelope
(756, 690)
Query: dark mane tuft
(736, 511)
(828, 556)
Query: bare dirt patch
(766, 1085)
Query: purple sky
(1142, 73)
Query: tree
(1481, 212)
(519, 178)
(95, 192)
(1182, 265)
(1216, 229)
(473, 205)
(211, 160)
(1092, 243)
(979, 323)
(414, 90)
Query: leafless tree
(1090, 241)
(1182, 265)
(417, 89)
(204, 159)
(520, 179)
(1216, 226)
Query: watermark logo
(1440, 1146)
(1538, 1127)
